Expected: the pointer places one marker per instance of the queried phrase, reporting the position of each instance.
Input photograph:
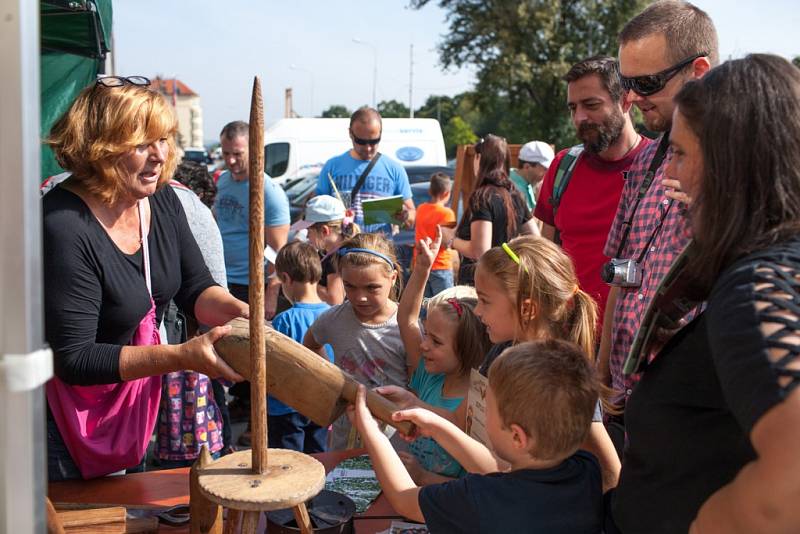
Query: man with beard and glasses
(580, 217)
(662, 48)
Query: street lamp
(311, 99)
(374, 67)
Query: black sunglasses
(650, 84)
(119, 81)
(359, 141)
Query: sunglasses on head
(650, 84)
(119, 81)
(359, 141)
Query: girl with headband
(438, 361)
(363, 329)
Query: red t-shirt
(587, 209)
(430, 215)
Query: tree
(392, 109)
(336, 112)
(796, 61)
(457, 132)
(522, 49)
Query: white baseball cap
(321, 209)
(537, 152)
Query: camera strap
(655, 163)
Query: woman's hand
(402, 397)
(198, 354)
(447, 236)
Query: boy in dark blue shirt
(539, 406)
(299, 269)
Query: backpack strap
(563, 175)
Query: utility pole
(288, 112)
(411, 82)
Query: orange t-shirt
(428, 217)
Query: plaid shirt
(667, 244)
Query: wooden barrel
(301, 378)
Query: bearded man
(579, 216)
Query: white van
(292, 145)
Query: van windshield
(276, 159)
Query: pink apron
(107, 428)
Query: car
(199, 155)
(298, 190)
(422, 173)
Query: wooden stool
(292, 478)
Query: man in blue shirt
(386, 178)
(232, 210)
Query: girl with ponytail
(527, 290)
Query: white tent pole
(24, 365)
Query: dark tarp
(75, 37)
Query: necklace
(635, 143)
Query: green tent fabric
(75, 36)
(81, 27)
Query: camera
(622, 273)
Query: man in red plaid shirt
(662, 48)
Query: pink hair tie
(348, 218)
(456, 305)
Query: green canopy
(75, 36)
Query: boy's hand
(402, 397)
(359, 414)
(425, 422)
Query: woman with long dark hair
(714, 424)
(495, 212)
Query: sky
(217, 47)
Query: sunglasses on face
(119, 81)
(650, 84)
(359, 141)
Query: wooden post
(205, 515)
(258, 364)
(458, 181)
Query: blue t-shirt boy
(294, 323)
(386, 179)
(430, 455)
(232, 210)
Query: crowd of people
(633, 302)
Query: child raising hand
(438, 361)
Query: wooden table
(169, 487)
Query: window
(276, 159)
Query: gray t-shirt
(372, 354)
(205, 231)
